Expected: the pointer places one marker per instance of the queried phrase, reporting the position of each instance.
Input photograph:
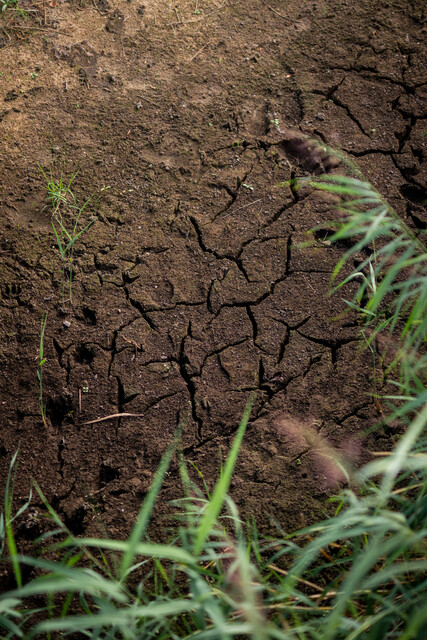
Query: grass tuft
(66, 218)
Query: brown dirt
(190, 289)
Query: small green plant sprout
(42, 361)
(8, 4)
(66, 220)
(13, 5)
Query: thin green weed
(66, 222)
(12, 5)
(42, 361)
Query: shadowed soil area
(191, 288)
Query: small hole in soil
(420, 224)
(58, 408)
(75, 522)
(118, 492)
(323, 234)
(3, 452)
(107, 474)
(84, 354)
(413, 194)
(89, 315)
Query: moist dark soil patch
(190, 288)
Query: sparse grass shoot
(66, 217)
(42, 361)
(12, 5)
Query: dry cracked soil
(191, 288)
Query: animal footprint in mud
(312, 155)
(11, 291)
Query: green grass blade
(8, 519)
(400, 454)
(77, 236)
(58, 240)
(164, 551)
(416, 624)
(60, 577)
(357, 190)
(119, 618)
(140, 526)
(397, 569)
(221, 488)
(71, 540)
(221, 632)
(11, 627)
(356, 183)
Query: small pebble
(66, 324)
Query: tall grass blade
(149, 549)
(8, 519)
(141, 523)
(221, 488)
(119, 618)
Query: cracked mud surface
(190, 289)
